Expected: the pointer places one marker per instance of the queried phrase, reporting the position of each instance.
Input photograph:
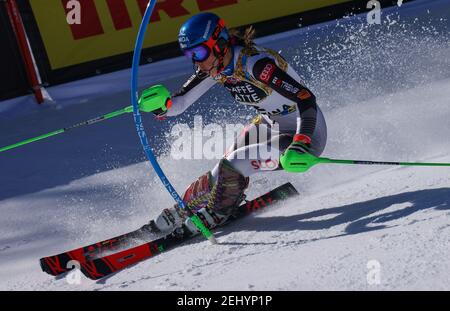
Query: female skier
(255, 76)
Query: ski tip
(45, 267)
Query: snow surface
(385, 92)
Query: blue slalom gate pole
(140, 127)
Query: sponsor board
(109, 27)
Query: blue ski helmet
(201, 34)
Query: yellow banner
(109, 27)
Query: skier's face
(209, 65)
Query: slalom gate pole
(25, 49)
(141, 131)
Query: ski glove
(155, 99)
(297, 157)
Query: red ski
(98, 266)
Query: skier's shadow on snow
(356, 215)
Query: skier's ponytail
(245, 39)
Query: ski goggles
(201, 52)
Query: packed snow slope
(385, 92)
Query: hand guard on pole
(297, 157)
(157, 100)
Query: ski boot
(213, 202)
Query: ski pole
(359, 162)
(63, 130)
(301, 163)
